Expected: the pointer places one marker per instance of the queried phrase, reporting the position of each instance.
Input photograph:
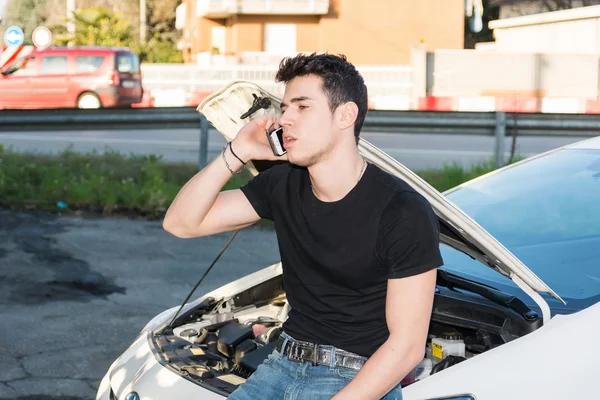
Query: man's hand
(251, 142)
(200, 208)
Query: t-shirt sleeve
(259, 190)
(408, 236)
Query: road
(77, 291)
(416, 151)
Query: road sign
(14, 36)
(41, 37)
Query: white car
(497, 330)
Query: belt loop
(285, 342)
(315, 354)
(332, 357)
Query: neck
(334, 176)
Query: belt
(298, 351)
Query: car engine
(221, 342)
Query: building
(367, 32)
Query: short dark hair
(341, 81)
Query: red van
(69, 77)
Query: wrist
(239, 152)
(231, 162)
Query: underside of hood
(224, 108)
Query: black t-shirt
(337, 256)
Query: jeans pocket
(274, 356)
(346, 373)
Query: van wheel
(89, 101)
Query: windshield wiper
(451, 281)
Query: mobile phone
(276, 141)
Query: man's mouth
(288, 140)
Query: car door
(16, 90)
(51, 85)
(128, 68)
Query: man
(359, 247)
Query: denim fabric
(279, 378)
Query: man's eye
(302, 107)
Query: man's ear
(348, 114)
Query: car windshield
(547, 213)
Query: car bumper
(138, 370)
(112, 97)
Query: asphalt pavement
(76, 291)
(416, 151)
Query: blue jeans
(279, 378)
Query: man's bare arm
(200, 208)
(408, 311)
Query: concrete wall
(473, 73)
(575, 31)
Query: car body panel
(51, 87)
(532, 364)
(138, 370)
(554, 362)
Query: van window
(128, 63)
(54, 65)
(85, 64)
(23, 67)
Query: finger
(272, 123)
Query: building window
(280, 38)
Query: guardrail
(498, 124)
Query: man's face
(309, 125)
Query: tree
(103, 23)
(96, 26)
(162, 34)
(26, 14)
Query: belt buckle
(294, 352)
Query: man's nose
(287, 118)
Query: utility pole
(70, 19)
(143, 21)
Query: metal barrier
(498, 124)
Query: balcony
(226, 8)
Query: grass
(112, 183)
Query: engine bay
(221, 342)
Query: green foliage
(26, 14)
(99, 26)
(113, 183)
(158, 51)
(96, 26)
(108, 182)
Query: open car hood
(224, 108)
